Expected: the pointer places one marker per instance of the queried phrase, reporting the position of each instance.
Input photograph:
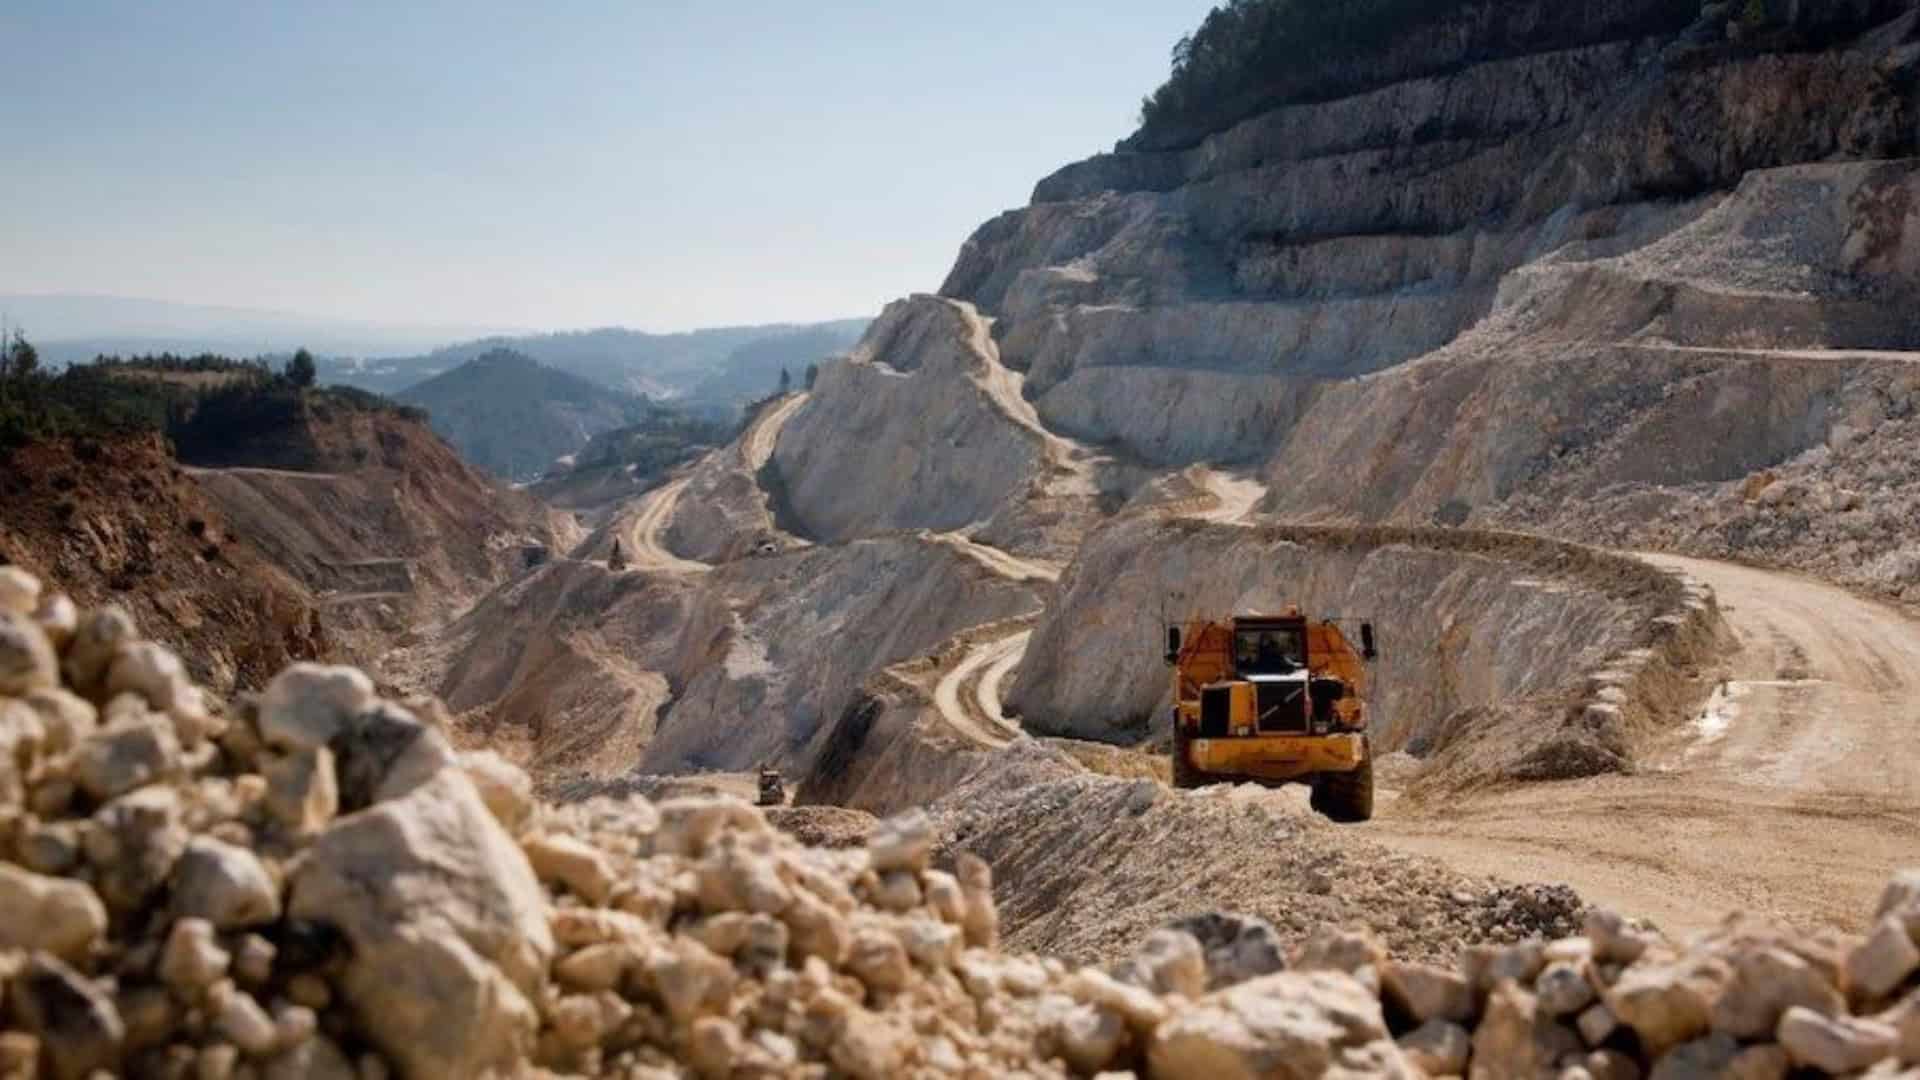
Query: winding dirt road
(1795, 794)
(1070, 462)
(756, 445)
(968, 696)
(1004, 563)
(655, 511)
(652, 518)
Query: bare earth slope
(385, 523)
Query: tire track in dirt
(1794, 794)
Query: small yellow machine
(1274, 699)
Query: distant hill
(70, 328)
(714, 372)
(513, 416)
(627, 461)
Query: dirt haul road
(1794, 794)
(968, 696)
(756, 446)
(656, 510)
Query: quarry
(1576, 357)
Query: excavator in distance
(1274, 699)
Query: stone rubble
(314, 884)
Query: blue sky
(663, 165)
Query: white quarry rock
(1901, 899)
(241, 1019)
(598, 967)
(383, 752)
(192, 959)
(94, 641)
(1290, 1024)
(1439, 1047)
(1837, 1044)
(65, 718)
(77, 1024)
(62, 916)
(307, 704)
(27, 662)
(904, 842)
(130, 752)
(878, 959)
(688, 825)
(1427, 992)
(154, 673)
(1563, 988)
(1766, 981)
(1168, 962)
(302, 793)
(1665, 1004)
(19, 591)
(982, 919)
(447, 922)
(58, 618)
(504, 787)
(1882, 962)
(317, 1058)
(1237, 947)
(132, 843)
(224, 884)
(1596, 1024)
(564, 860)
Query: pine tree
(301, 370)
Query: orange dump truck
(1274, 699)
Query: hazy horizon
(583, 165)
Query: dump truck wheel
(1346, 796)
(1184, 774)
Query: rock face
(1594, 232)
(860, 456)
(785, 640)
(1596, 626)
(443, 915)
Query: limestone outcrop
(1607, 639)
(922, 427)
(1632, 254)
(602, 673)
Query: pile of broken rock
(314, 883)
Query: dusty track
(1071, 462)
(248, 470)
(756, 445)
(1003, 563)
(656, 510)
(1795, 794)
(1234, 496)
(1815, 356)
(968, 696)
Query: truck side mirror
(1368, 651)
(1173, 644)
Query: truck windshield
(1269, 652)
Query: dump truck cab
(1273, 699)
